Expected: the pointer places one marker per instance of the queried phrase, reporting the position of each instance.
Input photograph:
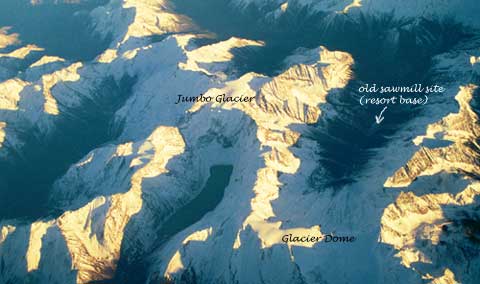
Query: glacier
(97, 160)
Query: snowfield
(407, 206)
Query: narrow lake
(210, 196)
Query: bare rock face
(433, 224)
(93, 230)
(462, 130)
(290, 98)
(7, 39)
(92, 235)
(106, 215)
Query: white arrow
(379, 118)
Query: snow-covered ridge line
(292, 97)
(93, 234)
(131, 23)
(101, 235)
(463, 12)
(431, 225)
(116, 199)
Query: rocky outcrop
(408, 215)
(92, 235)
(7, 39)
(433, 224)
(290, 98)
(462, 130)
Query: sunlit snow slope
(105, 179)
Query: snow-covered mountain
(465, 12)
(119, 165)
